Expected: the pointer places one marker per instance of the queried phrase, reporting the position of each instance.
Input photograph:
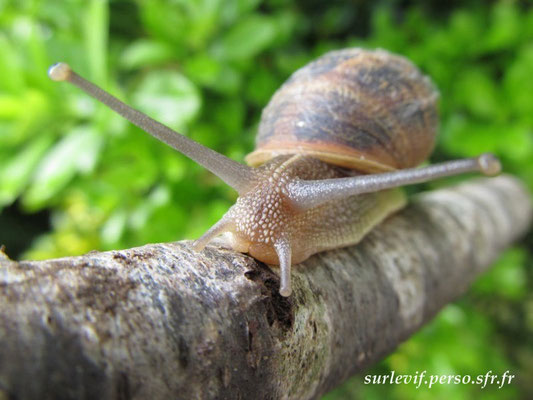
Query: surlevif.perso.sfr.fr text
(422, 378)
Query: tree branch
(161, 321)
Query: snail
(334, 144)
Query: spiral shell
(368, 110)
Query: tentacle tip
(60, 72)
(285, 291)
(198, 245)
(489, 164)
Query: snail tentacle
(283, 250)
(313, 193)
(238, 176)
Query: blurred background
(74, 177)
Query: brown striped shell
(368, 110)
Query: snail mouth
(267, 253)
(261, 251)
(239, 243)
(264, 253)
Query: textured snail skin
(364, 109)
(266, 215)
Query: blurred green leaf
(142, 53)
(113, 229)
(504, 28)
(95, 33)
(228, 81)
(261, 86)
(75, 153)
(203, 69)
(507, 278)
(27, 112)
(477, 93)
(236, 9)
(10, 66)
(247, 38)
(518, 84)
(516, 142)
(232, 126)
(465, 137)
(16, 173)
(464, 30)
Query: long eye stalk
(308, 194)
(236, 175)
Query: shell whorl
(364, 109)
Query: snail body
(334, 143)
(266, 215)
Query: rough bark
(161, 321)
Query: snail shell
(368, 110)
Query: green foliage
(207, 68)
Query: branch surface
(161, 321)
